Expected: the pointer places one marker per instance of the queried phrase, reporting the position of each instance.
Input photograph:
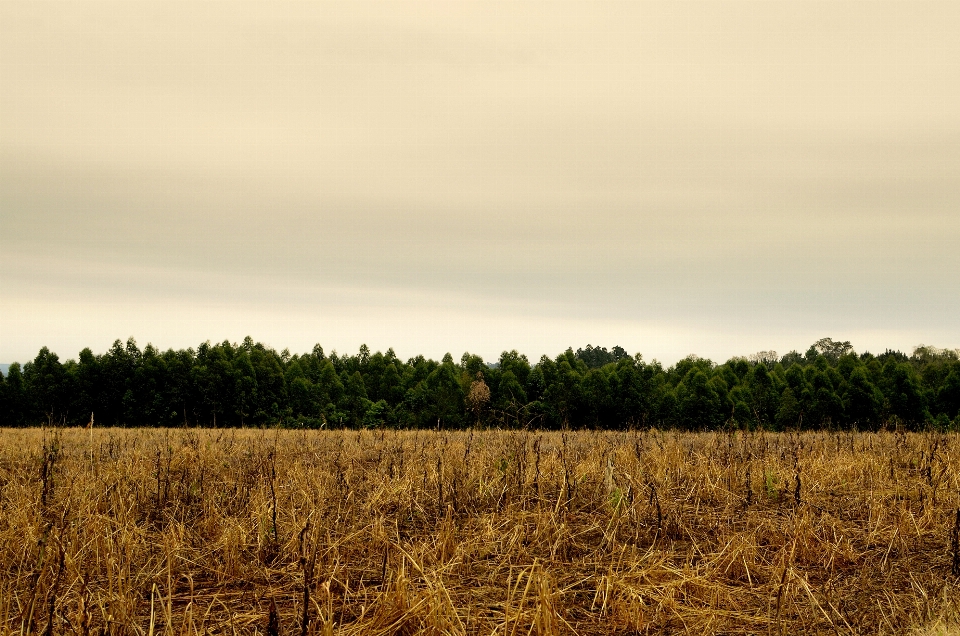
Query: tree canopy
(250, 384)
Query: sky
(715, 178)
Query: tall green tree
(948, 394)
(270, 405)
(355, 401)
(903, 392)
(47, 387)
(699, 403)
(790, 413)
(445, 395)
(764, 394)
(213, 379)
(17, 411)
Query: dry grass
(500, 532)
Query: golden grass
(486, 532)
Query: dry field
(486, 532)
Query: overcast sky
(713, 178)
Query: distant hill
(4, 368)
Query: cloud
(739, 171)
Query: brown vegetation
(486, 532)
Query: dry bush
(476, 532)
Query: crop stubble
(148, 531)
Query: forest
(830, 386)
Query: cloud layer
(672, 177)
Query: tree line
(250, 384)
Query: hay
(478, 532)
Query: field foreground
(488, 532)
